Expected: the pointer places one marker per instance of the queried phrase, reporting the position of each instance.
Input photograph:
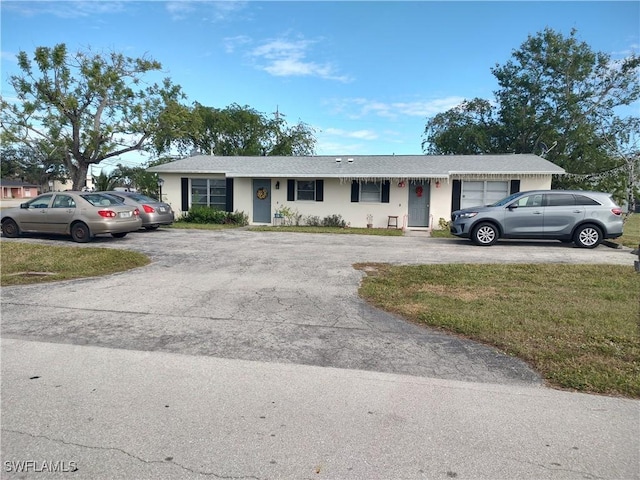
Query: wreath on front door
(262, 193)
(419, 190)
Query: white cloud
(8, 56)
(231, 44)
(362, 107)
(359, 134)
(179, 10)
(284, 58)
(69, 9)
(207, 11)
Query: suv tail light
(107, 213)
(148, 209)
(616, 211)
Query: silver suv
(585, 218)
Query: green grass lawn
(577, 325)
(24, 263)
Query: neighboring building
(418, 189)
(18, 189)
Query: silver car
(585, 218)
(79, 214)
(152, 212)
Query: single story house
(18, 189)
(363, 189)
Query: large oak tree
(82, 108)
(241, 130)
(560, 99)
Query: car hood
(479, 208)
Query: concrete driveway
(203, 376)
(277, 297)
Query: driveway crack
(135, 457)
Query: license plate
(162, 209)
(125, 214)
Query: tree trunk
(79, 175)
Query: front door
(261, 200)
(419, 194)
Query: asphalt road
(265, 311)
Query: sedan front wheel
(10, 228)
(485, 234)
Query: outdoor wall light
(437, 183)
(160, 183)
(278, 185)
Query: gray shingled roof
(363, 166)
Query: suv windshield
(506, 200)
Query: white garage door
(482, 193)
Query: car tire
(80, 233)
(152, 227)
(587, 236)
(10, 228)
(119, 234)
(485, 234)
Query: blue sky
(365, 75)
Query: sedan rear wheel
(588, 236)
(10, 228)
(151, 227)
(80, 233)
(485, 234)
(119, 235)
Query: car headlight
(467, 215)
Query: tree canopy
(82, 108)
(241, 130)
(559, 99)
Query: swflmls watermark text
(24, 466)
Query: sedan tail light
(107, 213)
(616, 211)
(148, 209)
(136, 212)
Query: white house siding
(337, 198)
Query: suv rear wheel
(485, 234)
(587, 236)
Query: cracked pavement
(279, 297)
(239, 354)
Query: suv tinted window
(558, 199)
(529, 201)
(582, 200)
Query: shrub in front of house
(333, 221)
(313, 221)
(207, 215)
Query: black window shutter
(455, 195)
(229, 200)
(355, 191)
(291, 190)
(386, 187)
(184, 190)
(319, 190)
(515, 186)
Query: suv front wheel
(588, 236)
(485, 234)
